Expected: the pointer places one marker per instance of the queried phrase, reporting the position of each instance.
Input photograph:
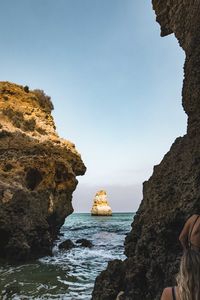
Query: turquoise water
(69, 275)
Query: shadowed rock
(66, 245)
(173, 191)
(84, 243)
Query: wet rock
(66, 245)
(110, 290)
(85, 243)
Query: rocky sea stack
(173, 192)
(37, 175)
(100, 205)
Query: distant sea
(69, 275)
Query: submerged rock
(100, 206)
(172, 193)
(37, 174)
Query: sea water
(69, 275)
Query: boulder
(66, 245)
(85, 243)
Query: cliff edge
(173, 191)
(37, 174)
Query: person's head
(188, 278)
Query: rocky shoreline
(173, 192)
(37, 175)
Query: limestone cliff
(173, 191)
(100, 205)
(37, 174)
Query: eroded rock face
(173, 192)
(100, 205)
(37, 174)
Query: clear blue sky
(115, 84)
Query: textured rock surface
(100, 205)
(173, 191)
(37, 174)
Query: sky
(114, 82)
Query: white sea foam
(69, 275)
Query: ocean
(69, 275)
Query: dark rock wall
(37, 174)
(173, 192)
